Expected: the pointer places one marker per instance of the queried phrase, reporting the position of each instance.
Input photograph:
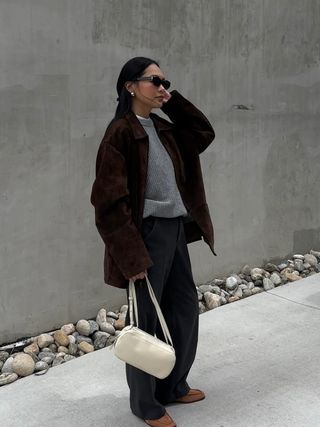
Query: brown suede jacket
(119, 188)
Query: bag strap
(133, 306)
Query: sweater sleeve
(188, 119)
(113, 216)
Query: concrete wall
(58, 68)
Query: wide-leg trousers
(173, 284)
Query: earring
(132, 93)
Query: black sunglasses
(155, 80)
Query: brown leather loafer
(193, 395)
(164, 421)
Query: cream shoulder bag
(140, 349)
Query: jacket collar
(138, 131)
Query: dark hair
(131, 70)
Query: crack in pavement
(295, 302)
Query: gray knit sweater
(162, 197)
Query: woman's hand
(166, 96)
(141, 275)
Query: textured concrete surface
(257, 362)
(252, 67)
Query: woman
(149, 203)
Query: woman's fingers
(139, 276)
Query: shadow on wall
(289, 195)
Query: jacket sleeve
(189, 120)
(113, 217)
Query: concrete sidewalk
(257, 361)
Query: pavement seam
(295, 302)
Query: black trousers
(172, 282)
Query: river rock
(238, 278)
(246, 292)
(113, 314)
(256, 290)
(271, 267)
(40, 366)
(68, 329)
(111, 339)
(4, 355)
(101, 341)
(124, 308)
(7, 378)
(44, 340)
(7, 366)
(86, 347)
(101, 317)
(238, 293)
(119, 324)
(298, 256)
(32, 348)
(23, 365)
(256, 274)
(234, 298)
(71, 339)
(83, 327)
(111, 320)
(47, 360)
(275, 278)
(218, 282)
(61, 354)
(267, 284)
(216, 290)
(107, 327)
(202, 307)
(61, 338)
(73, 348)
(212, 300)
(205, 288)
(62, 349)
(315, 253)
(284, 273)
(310, 259)
(46, 356)
(99, 334)
(298, 264)
(93, 326)
(82, 338)
(34, 357)
(68, 357)
(292, 277)
(231, 283)
(57, 361)
(282, 266)
(53, 347)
